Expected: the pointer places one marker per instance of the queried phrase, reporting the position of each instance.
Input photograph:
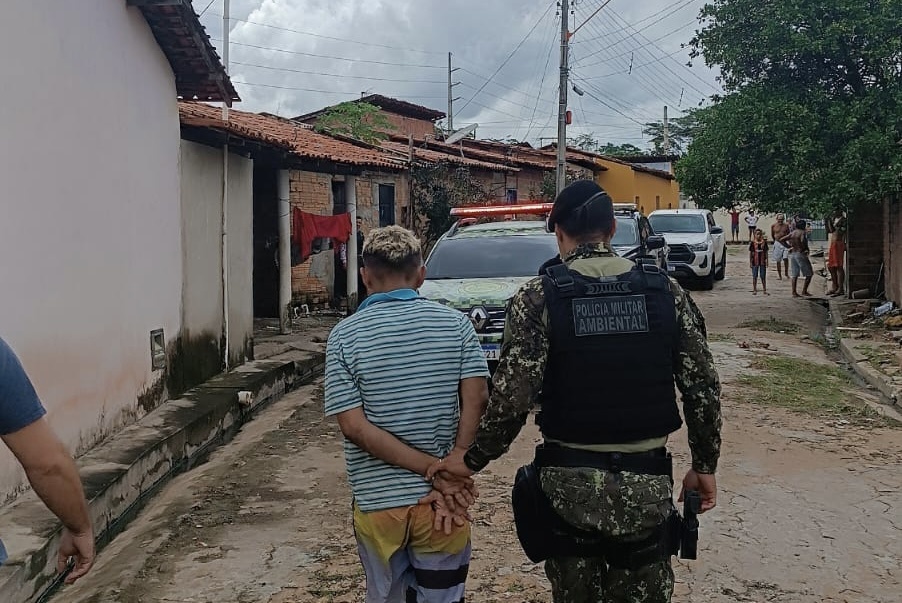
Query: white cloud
(399, 48)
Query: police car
(478, 265)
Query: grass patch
(803, 386)
(772, 324)
(721, 337)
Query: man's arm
(474, 396)
(54, 478)
(518, 378)
(380, 443)
(699, 385)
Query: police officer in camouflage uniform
(602, 363)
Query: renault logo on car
(479, 316)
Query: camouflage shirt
(518, 379)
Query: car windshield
(677, 222)
(489, 257)
(626, 234)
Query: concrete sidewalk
(854, 351)
(123, 472)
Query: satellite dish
(461, 134)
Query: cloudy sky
(293, 56)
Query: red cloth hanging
(307, 227)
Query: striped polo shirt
(402, 359)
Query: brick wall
(312, 282)
(892, 254)
(865, 248)
(419, 128)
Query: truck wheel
(707, 282)
(722, 271)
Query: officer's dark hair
(801, 225)
(584, 211)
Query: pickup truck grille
(680, 252)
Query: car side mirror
(655, 242)
(716, 230)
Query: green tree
(620, 150)
(434, 190)
(548, 188)
(586, 142)
(812, 115)
(362, 121)
(681, 131)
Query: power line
(532, 119)
(326, 56)
(316, 35)
(352, 77)
(209, 4)
(336, 92)
(510, 56)
(623, 54)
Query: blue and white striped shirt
(402, 359)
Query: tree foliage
(680, 132)
(363, 121)
(812, 115)
(434, 190)
(548, 189)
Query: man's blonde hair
(392, 249)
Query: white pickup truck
(698, 247)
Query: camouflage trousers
(621, 506)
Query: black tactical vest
(609, 377)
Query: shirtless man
(780, 254)
(799, 264)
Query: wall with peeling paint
(201, 206)
(90, 228)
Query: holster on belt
(544, 534)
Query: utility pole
(561, 175)
(451, 98)
(224, 247)
(666, 133)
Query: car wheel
(722, 271)
(706, 282)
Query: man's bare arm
(474, 396)
(380, 443)
(52, 473)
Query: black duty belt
(653, 462)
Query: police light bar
(479, 211)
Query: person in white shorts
(780, 252)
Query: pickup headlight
(699, 247)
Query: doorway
(266, 243)
(339, 206)
(386, 204)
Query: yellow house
(648, 188)
(627, 182)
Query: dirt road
(810, 507)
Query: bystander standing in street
(734, 223)
(836, 254)
(799, 262)
(758, 262)
(780, 252)
(752, 221)
(406, 379)
(48, 465)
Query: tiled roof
(386, 103)
(435, 156)
(286, 134)
(199, 74)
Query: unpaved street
(810, 508)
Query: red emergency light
(480, 211)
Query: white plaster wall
(89, 209)
(201, 186)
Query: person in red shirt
(734, 223)
(758, 262)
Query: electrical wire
(336, 92)
(316, 35)
(209, 4)
(335, 58)
(352, 77)
(510, 56)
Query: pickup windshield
(627, 233)
(677, 223)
